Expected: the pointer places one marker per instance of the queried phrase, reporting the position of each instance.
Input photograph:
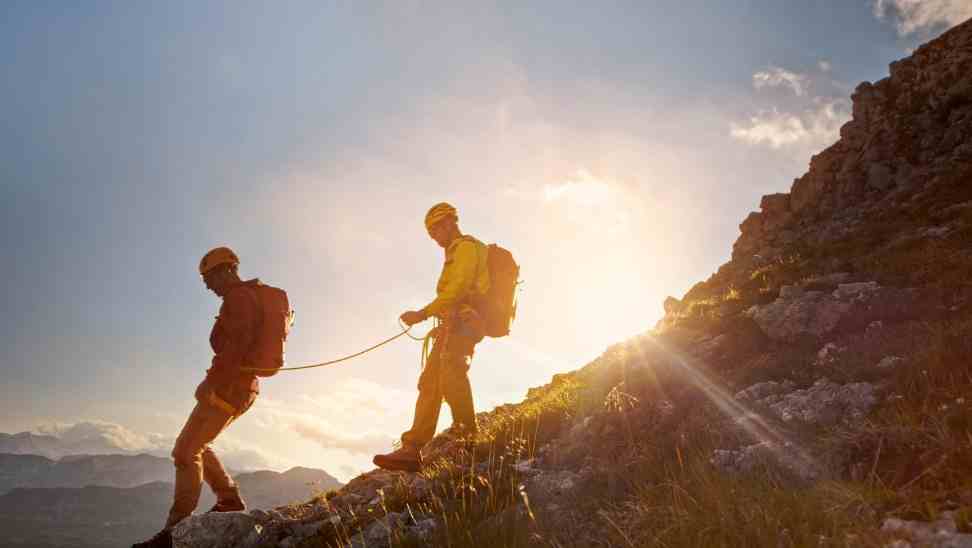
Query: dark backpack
(498, 305)
(267, 353)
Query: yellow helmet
(216, 257)
(438, 212)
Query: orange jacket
(231, 338)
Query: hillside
(813, 392)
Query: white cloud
(773, 128)
(356, 416)
(921, 15)
(241, 456)
(778, 77)
(805, 122)
(817, 126)
(331, 438)
(96, 436)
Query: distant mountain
(22, 470)
(266, 489)
(82, 470)
(91, 517)
(27, 443)
(103, 517)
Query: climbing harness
(405, 331)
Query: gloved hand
(412, 317)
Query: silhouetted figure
(464, 277)
(226, 393)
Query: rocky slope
(813, 392)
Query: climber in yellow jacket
(464, 277)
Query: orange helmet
(438, 212)
(216, 257)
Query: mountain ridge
(108, 516)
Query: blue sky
(614, 148)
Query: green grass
(654, 485)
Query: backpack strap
(258, 306)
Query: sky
(612, 147)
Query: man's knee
(183, 455)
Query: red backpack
(276, 318)
(498, 305)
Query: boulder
(824, 403)
(786, 455)
(219, 530)
(797, 313)
(942, 533)
(548, 489)
(763, 390)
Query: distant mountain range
(54, 447)
(27, 443)
(82, 470)
(103, 501)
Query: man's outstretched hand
(412, 317)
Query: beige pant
(195, 461)
(445, 377)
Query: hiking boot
(162, 539)
(406, 459)
(233, 505)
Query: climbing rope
(405, 331)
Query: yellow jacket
(464, 273)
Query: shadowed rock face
(907, 131)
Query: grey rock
(762, 390)
(858, 291)
(218, 530)
(526, 467)
(889, 362)
(550, 487)
(828, 354)
(379, 532)
(798, 312)
(786, 455)
(935, 231)
(825, 403)
(942, 533)
(424, 529)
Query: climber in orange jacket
(224, 395)
(464, 276)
